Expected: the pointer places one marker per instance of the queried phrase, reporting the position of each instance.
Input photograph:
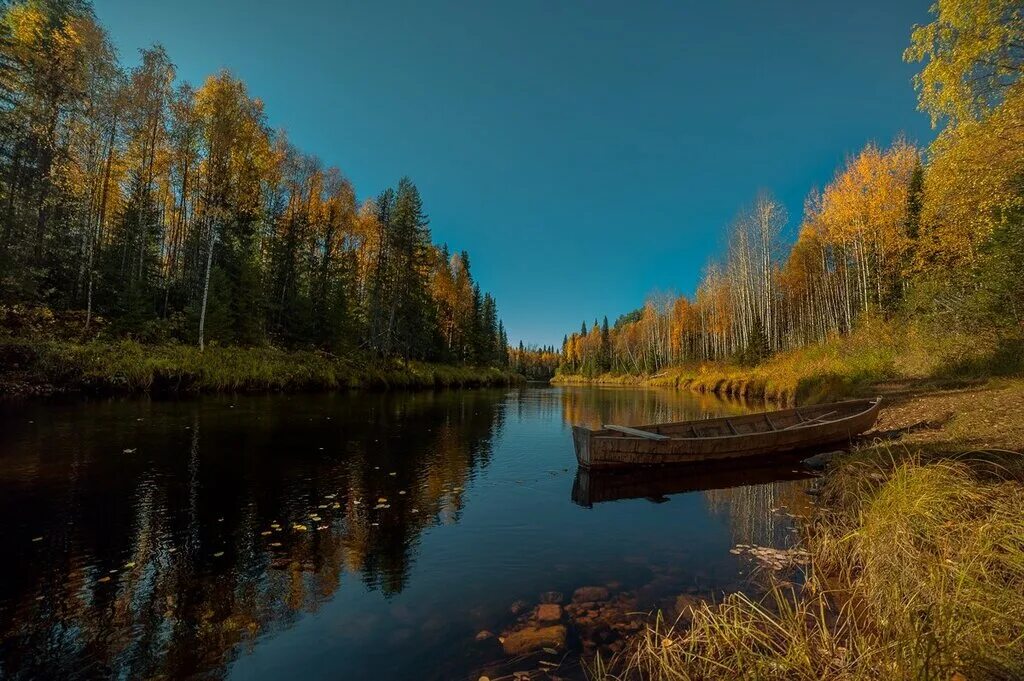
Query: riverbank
(48, 366)
(915, 562)
(879, 352)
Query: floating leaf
(37, 539)
(218, 554)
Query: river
(347, 535)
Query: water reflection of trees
(178, 526)
(759, 514)
(593, 407)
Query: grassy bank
(123, 366)
(854, 365)
(917, 563)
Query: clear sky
(584, 153)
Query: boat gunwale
(872, 403)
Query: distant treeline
(533, 361)
(177, 213)
(932, 234)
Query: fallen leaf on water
(264, 534)
(382, 500)
(218, 554)
(129, 564)
(392, 474)
(401, 491)
(130, 451)
(276, 543)
(37, 539)
(300, 528)
(103, 579)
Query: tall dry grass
(917, 573)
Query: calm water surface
(157, 538)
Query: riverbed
(384, 536)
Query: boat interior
(746, 424)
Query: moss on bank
(845, 366)
(125, 366)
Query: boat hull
(601, 449)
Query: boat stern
(581, 441)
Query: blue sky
(585, 154)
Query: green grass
(917, 573)
(126, 366)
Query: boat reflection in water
(657, 483)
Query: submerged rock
(590, 594)
(820, 461)
(551, 597)
(685, 606)
(529, 639)
(549, 612)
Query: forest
(143, 207)
(932, 235)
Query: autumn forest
(165, 211)
(930, 234)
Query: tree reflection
(593, 407)
(165, 560)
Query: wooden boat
(752, 435)
(595, 486)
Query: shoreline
(42, 368)
(888, 531)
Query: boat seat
(635, 432)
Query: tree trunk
(206, 288)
